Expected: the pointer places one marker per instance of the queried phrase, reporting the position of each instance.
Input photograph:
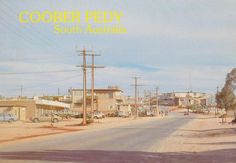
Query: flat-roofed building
(24, 109)
(106, 100)
(183, 99)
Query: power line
(36, 59)
(29, 32)
(37, 72)
(157, 102)
(28, 27)
(44, 85)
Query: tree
(226, 97)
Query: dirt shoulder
(203, 133)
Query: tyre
(55, 120)
(10, 120)
(68, 117)
(35, 120)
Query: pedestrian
(166, 113)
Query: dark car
(80, 115)
(64, 115)
(186, 113)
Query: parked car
(123, 114)
(64, 115)
(186, 113)
(114, 114)
(80, 115)
(98, 115)
(149, 114)
(6, 117)
(46, 118)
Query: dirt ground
(204, 133)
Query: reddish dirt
(60, 130)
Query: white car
(123, 114)
(4, 117)
(98, 115)
(46, 118)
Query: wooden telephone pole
(136, 95)
(157, 104)
(92, 84)
(85, 66)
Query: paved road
(127, 143)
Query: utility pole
(150, 100)
(136, 95)
(84, 122)
(189, 101)
(92, 89)
(85, 66)
(157, 104)
(92, 84)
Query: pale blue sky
(170, 43)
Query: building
(183, 99)
(24, 109)
(107, 100)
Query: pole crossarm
(84, 50)
(90, 66)
(89, 54)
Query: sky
(176, 45)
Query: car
(46, 118)
(6, 117)
(80, 115)
(186, 113)
(103, 115)
(233, 121)
(113, 114)
(98, 115)
(64, 115)
(123, 114)
(149, 114)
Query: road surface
(127, 143)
